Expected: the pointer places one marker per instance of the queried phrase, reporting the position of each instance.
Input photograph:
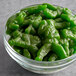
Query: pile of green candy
(43, 32)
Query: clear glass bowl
(43, 67)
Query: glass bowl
(43, 67)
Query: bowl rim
(34, 61)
